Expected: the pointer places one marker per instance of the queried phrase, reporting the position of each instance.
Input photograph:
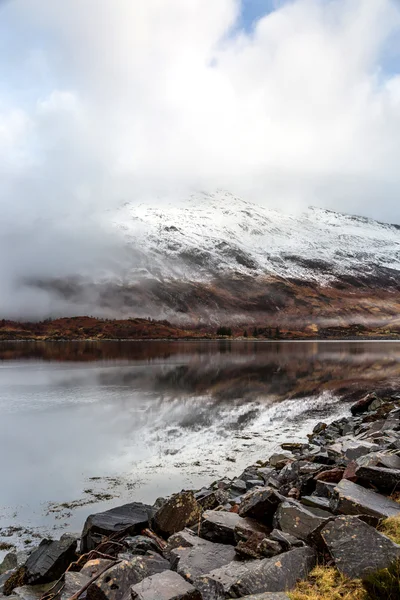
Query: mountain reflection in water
(136, 420)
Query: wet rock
(94, 566)
(4, 577)
(268, 575)
(260, 504)
(129, 518)
(293, 447)
(287, 541)
(239, 486)
(357, 548)
(49, 561)
(278, 461)
(269, 548)
(354, 449)
(266, 472)
(199, 560)
(141, 544)
(319, 428)
(210, 499)
(219, 526)
(379, 459)
(386, 480)
(300, 521)
(13, 560)
(323, 489)
(73, 582)
(352, 499)
(316, 502)
(164, 586)
(114, 583)
(178, 512)
(246, 528)
(350, 471)
(250, 547)
(183, 539)
(363, 405)
(330, 475)
(32, 592)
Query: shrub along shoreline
(317, 521)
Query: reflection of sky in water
(162, 424)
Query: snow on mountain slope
(209, 235)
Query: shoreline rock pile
(251, 537)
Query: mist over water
(140, 420)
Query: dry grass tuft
(391, 528)
(326, 583)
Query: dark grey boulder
(239, 486)
(178, 512)
(323, 489)
(386, 480)
(164, 586)
(363, 405)
(247, 528)
(193, 562)
(316, 502)
(129, 518)
(32, 592)
(279, 460)
(13, 560)
(276, 574)
(140, 544)
(353, 499)
(300, 521)
(73, 582)
(287, 541)
(354, 449)
(183, 539)
(210, 499)
(219, 526)
(266, 472)
(116, 581)
(357, 548)
(49, 561)
(94, 566)
(261, 504)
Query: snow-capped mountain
(220, 234)
(214, 258)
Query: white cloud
(103, 101)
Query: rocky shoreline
(328, 502)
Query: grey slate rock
(300, 521)
(353, 449)
(129, 518)
(287, 541)
(386, 480)
(276, 574)
(219, 526)
(178, 512)
(193, 562)
(32, 592)
(92, 567)
(239, 486)
(324, 489)
(49, 561)
(266, 472)
(116, 581)
(357, 548)
(183, 539)
(352, 499)
(164, 586)
(73, 582)
(316, 502)
(261, 504)
(140, 544)
(210, 499)
(13, 560)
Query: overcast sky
(287, 103)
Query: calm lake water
(88, 425)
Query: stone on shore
(301, 521)
(178, 512)
(260, 504)
(94, 566)
(353, 499)
(277, 574)
(113, 584)
(164, 586)
(32, 592)
(357, 548)
(193, 562)
(73, 582)
(129, 518)
(219, 526)
(386, 480)
(49, 561)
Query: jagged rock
(129, 518)
(278, 461)
(323, 489)
(73, 582)
(267, 575)
(209, 499)
(260, 504)
(330, 475)
(293, 446)
(179, 511)
(249, 527)
(384, 479)
(266, 472)
(219, 526)
(164, 586)
(353, 449)
(269, 548)
(239, 486)
(32, 592)
(363, 405)
(300, 521)
(199, 560)
(319, 427)
(13, 560)
(352, 499)
(49, 561)
(183, 539)
(316, 502)
(115, 582)
(379, 459)
(140, 544)
(94, 566)
(250, 547)
(357, 548)
(286, 540)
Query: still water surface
(135, 421)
